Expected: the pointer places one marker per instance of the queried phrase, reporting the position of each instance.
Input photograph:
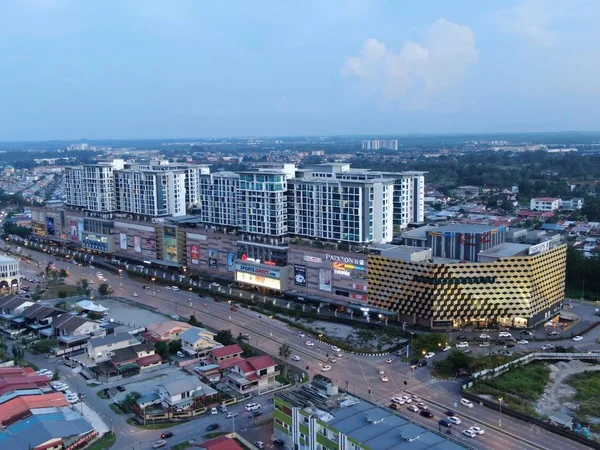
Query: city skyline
(155, 70)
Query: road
(359, 374)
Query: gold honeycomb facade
(519, 290)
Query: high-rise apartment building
(91, 187)
(377, 144)
(218, 198)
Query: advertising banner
(137, 244)
(73, 233)
(230, 262)
(80, 230)
(325, 280)
(50, 226)
(149, 244)
(123, 241)
(213, 254)
(299, 275)
(170, 243)
(194, 254)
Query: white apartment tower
(91, 186)
(218, 198)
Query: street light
(500, 420)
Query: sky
(101, 69)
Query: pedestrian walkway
(92, 417)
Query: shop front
(261, 275)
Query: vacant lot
(587, 385)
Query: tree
(63, 273)
(62, 294)
(83, 284)
(61, 305)
(225, 337)
(174, 347)
(55, 375)
(284, 353)
(104, 289)
(131, 399)
(162, 348)
(240, 339)
(193, 321)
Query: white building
(10, 278)
(91, 187)
(218, 198)
(377, 144)
(544, 204)
(572, 204)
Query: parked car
(395, 406)
(389, 360)
(310, 344)
(484, 336)
(505, 334)
(522, 342)
(446, 348)
(278, 442)
(578, 338)
(159, 444)
(526, 333)
(214, 411)
(326, 368)
(223, 408)
(462, 345)
(295, 358)
(384, 378)
(484, 344)
(422, 363)
(462, 337)
(252, 406)
(335, 349)
(231, 415)
(259, 444)
(429, 355)
(547, 347)
(255, 414)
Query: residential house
(19, 407)
(198, 341)
(167, 331)
(219, 355)
(103, 348)
(220, 443)
(136, 358)
(14, 305)
(184, 392)
(544, 204)
(70, 329)
(39, 316)
(252, 373)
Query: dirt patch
(558, 395)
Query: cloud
(531, 19)
(418, 73)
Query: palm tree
(284, 353)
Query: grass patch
(115, 408)
(101, 394)
(215, 434)
(70, 289)
(154, 426)
(107, 441)
(587, 385)
(520, 387)
(182, 446)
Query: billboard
(230, 262)
(213, 254)
(73, 230)
(258, 280)
(170, 243)
(50, 226)
(194, 254)
(123, 241)
(299, 275)
(325, 280)
(137, 244)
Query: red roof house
(220, 443)
(227, 352)
(252, 373)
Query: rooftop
(194, 334)
(162, 328)
(505, 250)
(363, 421)
(6, 259)
(110, 339)
(226, 351)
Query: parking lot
(132, 316)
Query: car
(467, 403)
(427, 414)
(396, 406)
(546, 347)
(505, 334)
(175, 288)
(252, 406)
(429, 355)
(484, 344)
(166, 435)
(310, 344)
(339, 355)
(331, 360)
(422, 363)
(462, 345)
(233, 308)
(135, 294)
(389, 360)
(214, 411)
(180, 354)
(554, 334)
(450, 413)
(212, 427)
(414, 362)
(578, 338)
(413, 408)
(477, 430)
(398, 400)
(484, 336)
(168, 288)
(223, 408)
(259, 444)
(522, 342)
(526, 333)
(159, 444)
(446, 348)
(407, 399)
(445, 423)
(335, 349)
(380, 371)
(295, 358)
(422, 405)
(469, 433)
(146, 287)
(500, 342)
(326, 368)
(121, 388)
(462, 337)
(278, 442)
(73, 399)
(455, 420)
(300, 333)
(510, 344)
(231, 415)
(384, 379)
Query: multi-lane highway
(358, 374)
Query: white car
(446, 348)
(398, 400)
(175, 288)
(484, 344)
(469, 433)
(505, 334)
(326, 368)
(332, 360)
(413, 408)
(310, 344)
(389, 360)
(168, 288)
(422, 405)
(339, 355)
(384, 378)
(462, 345)
(252, 406)
(455, 420)
(407, 399)
(477, 430)
(429, 355)
(522, 342)
(214, 411)
(465, 402)
(300, 333)
(578, 338)
(295, 358)
(335, 349)
(135, 294)
(381, 371)
(484, 336)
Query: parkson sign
(345, 259)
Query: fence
(491, 373)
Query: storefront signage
(462, 280)
(258, 280)
(345, 259)
(299, 275)
(313, 259)
(257, 270)
(539, 248)
(344, 273)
